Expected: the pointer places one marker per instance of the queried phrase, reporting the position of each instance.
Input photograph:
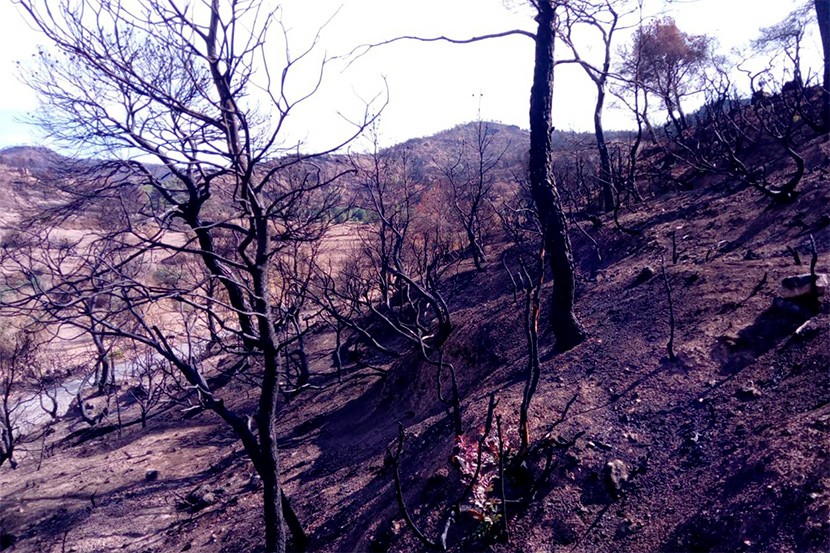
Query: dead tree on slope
(823, 17)
(176, 83)
(564, 323)
(468, 173)
(36, 256)
(408, 253)
(16, 356)
(603, 18)
(787, 39)
(729, 134)
(26, 393)
(557, 245)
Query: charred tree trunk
(6, 425)
(103, 367)
(605, 174)
(268, 459)
(476, 249)
(534, 369)
(823, 16)
(304, 375)
(269, 467)
(566, 328)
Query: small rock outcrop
(616, 475)
(798, 286)
(748, 392)
(197, 500)
(646, 274)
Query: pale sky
(431, 86)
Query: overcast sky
(431, 86)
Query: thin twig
(670, 345)
(359, 51)
(794, 253)
(502, 484)
(395, 460)
(813, 276)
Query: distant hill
(29, 157)
(26, 177)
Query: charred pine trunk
(823, 16)
(103, 367)
(267, 455)
(268, 466)
(605, 173)
(302, 359)
(564, 324)
(476, 249)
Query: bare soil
(727, 447)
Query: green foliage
(167, 275)
(355, 215)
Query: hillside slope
(726, 448)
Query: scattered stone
(752, 256)
(692, 439)
(151, 475)
(748, 392)
(596, 444)
(572, 460)
(821, 423)
(644, 275)
(197, 500)
(628, 526)
(799, 286)
(398, 526)
(811, 327)
(254, 482)
(616, 475)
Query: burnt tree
(557, 244)
(183, 106)
(564, 323)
